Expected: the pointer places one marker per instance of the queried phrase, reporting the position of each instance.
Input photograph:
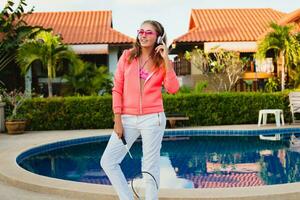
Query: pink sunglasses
(147, 32)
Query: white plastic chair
(294, 98)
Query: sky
(127, 15)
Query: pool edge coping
(13, 174)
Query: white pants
(151, 128)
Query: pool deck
(19, 184)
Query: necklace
(142, 72)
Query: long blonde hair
(137, 49)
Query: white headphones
(160, 38)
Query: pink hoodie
(127, 96)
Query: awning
(244, 47)
(90, 48)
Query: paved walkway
(13, 190)
(8, 192)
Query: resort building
(89, 33)
(230, 29)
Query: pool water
(186, 162)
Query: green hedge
(225, 108)
(69, 113)
(202, 109)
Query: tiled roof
(226, 25)
(80, 27)
(293, 17)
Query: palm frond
(279, 39)
(28, 53)
(5, 59)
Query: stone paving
(12, 189)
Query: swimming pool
(189, 159)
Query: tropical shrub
(222, 68)
(202, 109)
(286, 45)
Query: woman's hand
(162, 49)
(118, 126)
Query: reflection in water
(200, 162)
(168, 177)
(227, 168)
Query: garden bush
(202, 109)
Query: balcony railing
(182, 67)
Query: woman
(138, 107)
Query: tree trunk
(28, 81)
(50, 87)
(50, 75)
(282, 72)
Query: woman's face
(147, 35)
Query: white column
(113, 59)
(28, 81)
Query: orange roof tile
(80, 27)
(293, 17)
(226, 25)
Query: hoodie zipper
(141, 103)
(140, 89)
(141, 92)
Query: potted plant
(15, 123)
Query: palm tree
(284, 44)
(48, 49)
(5, 59)
(88, 79)
(13, 31)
